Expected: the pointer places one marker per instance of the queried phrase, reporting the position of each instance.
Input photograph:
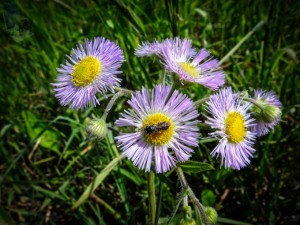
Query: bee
(156, 128)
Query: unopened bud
(266, 112)
(96, 128)
(187, 221)
(270, 113)
(211, 215)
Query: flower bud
(187, 221)
(211, 215)
(266, 112)
(270, 113)
(96, 128)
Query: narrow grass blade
(236, 47)
(98, 180)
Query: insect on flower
(156, 128)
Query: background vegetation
(46, 160)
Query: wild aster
(179, 57)
(92, 68)
(148, 49)
(268, 114)
(165, 129)
(231, 122)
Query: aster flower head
(148, 49)
(179, 57)
(91, 69)
(232, 122)
(268, 115)
(165, 129)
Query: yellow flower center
(235, 127)
(189, 69)
(86, 71)
(158, 129)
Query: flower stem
(158, 204)
(192, 195)
(110, 104)
(151, 195)
(123, 90)
(253, 102)
(201, 101)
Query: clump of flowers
(159, 127)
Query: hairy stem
(254, 102)
(110, 104)
(192, 195)
(201, 101)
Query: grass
(47, 161)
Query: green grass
(47, 161)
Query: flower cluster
(161, 124)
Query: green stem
(123, 90)
(192, 195)
(201, 101)
(110, 104)
(151, 195)
(158, 204)
(254, 102)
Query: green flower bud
(266, 112)
(270, 113)
(211, 215)
(187, 221)
(96, 128)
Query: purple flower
(268, 116)
(179, 57)
(231, 122)
(148, 49)
(92, 68)
(165, 129)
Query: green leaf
(98, 180)
(230, 221)
(208, 198)
(39, 130)
(195, 167)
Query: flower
(232, 122)
(163, 121)
(268, 114)
(96, 128)
(92, 68)
(179, 57)
(148, 49)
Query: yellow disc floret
(158, 129)
(235, 127)
(86, 71)
(189, 69)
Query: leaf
(37, 129)
(195, 167)
(232, 222)
(98, 180)
(208, 198)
